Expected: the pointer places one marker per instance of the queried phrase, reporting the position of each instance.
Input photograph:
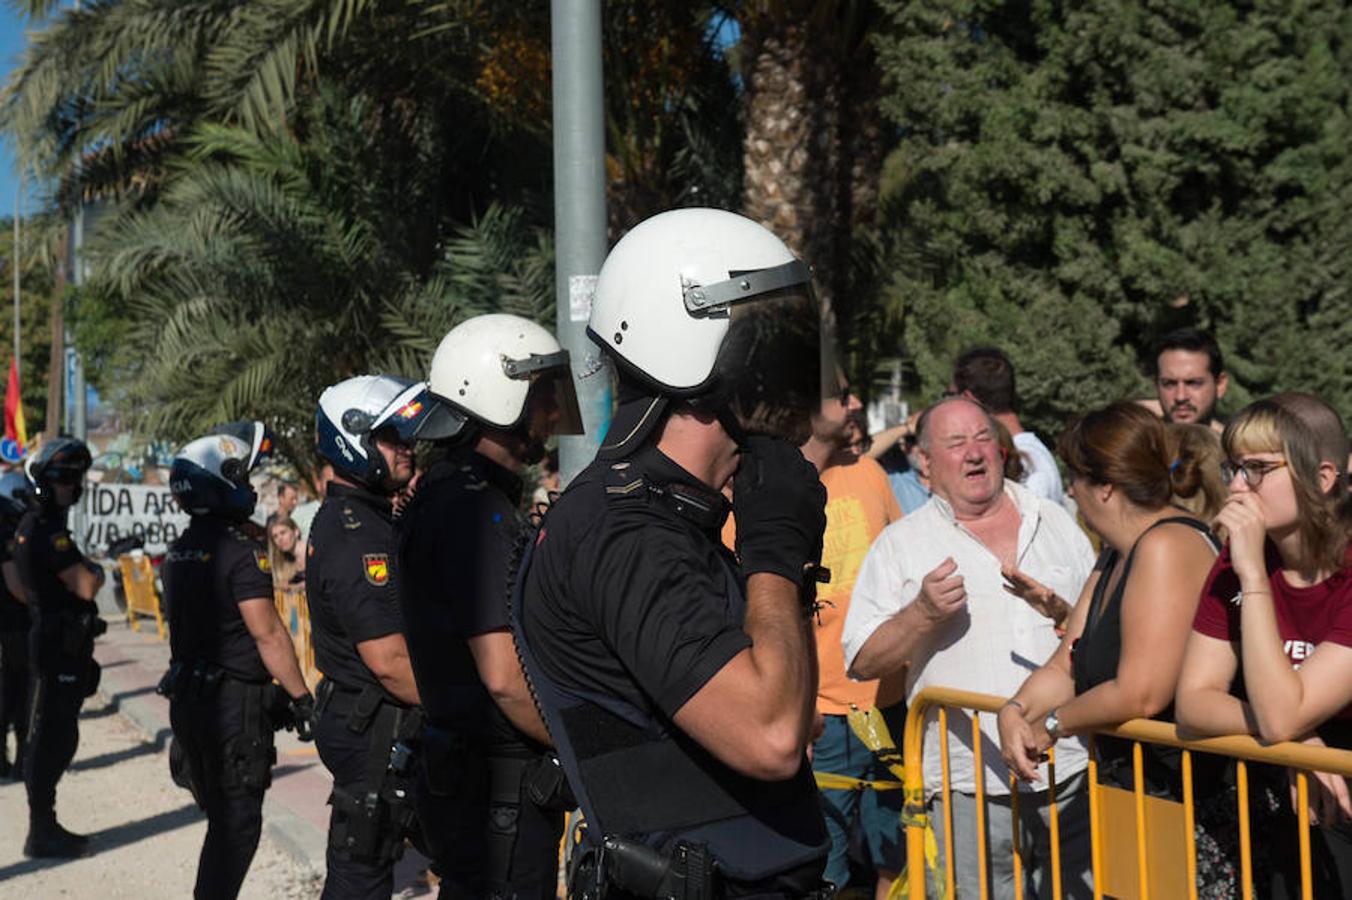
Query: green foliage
(271, 268)
(35, 337)
(1074, 180)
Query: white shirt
(992, 647)
(1040, 473)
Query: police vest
(636, 778)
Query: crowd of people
(679, 640)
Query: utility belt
(246, 758)
(622, 869)
(537, 778)
(372, 819)
(71, 631)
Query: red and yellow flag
(15, 429)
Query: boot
(46, 838)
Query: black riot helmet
(64, 460)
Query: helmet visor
(777, 362)
(406, 416)
(551, 404)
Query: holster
(545, 784)
(620, 868)
(78, 630)
(248, 757)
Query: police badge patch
(264, 564)
(377, 566)
(61, 542)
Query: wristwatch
(1053, 725)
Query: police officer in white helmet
(677, 680)
(491, 798)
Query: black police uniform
(628, 605)
(14, 626)
(61, 652)
(220, 692)
(365, 736)
(488, 835)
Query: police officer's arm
(83, 578)
(756, 713)
(387, 658)
(12, 583)
(500, 670)
(274, 644)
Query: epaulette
(625, 483)
(350, 520)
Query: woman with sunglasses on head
(1125, 638)
(1271, 649)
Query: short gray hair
(922, 425)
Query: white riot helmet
(707, 306)
(486, 369)
(211, 476)
(350, 414)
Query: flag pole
(18, 197)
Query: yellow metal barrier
(138, 585)
(295, 614)
(1156, 857)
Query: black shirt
(212, 568)
(1094, 661)
(43, 549)
(349, 582)
(626, 600)
(13, 614)
(456, 539)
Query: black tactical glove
(780, 505)
(302, 711)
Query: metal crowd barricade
(1156, 857)
(138, 586)
(295, 614)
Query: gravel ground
(145, 832)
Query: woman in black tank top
(1124, 642)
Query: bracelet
(1012, 702)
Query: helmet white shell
(470, 369)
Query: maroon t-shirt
(1306, 616)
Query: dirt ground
(145, 832)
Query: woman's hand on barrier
(1330, 800)
(1018, 743)
(1036, 594)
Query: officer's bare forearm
(500, 670)
(279, 658)
(387, 659)
(784, 654)
(523, 715)
(893, 646)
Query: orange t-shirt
(859, 505)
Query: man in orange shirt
(859, 505)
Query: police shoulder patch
(377, 568)
(262, 561)
(350, 520)
(61, 541)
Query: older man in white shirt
(930, 598)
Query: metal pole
(579, 214)
(76, 404)
(18, 198)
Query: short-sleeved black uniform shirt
(349, 582)
(43, 549)
(13, 614)
(628, 600)
(208, 572)
(456, 540)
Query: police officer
(60, 585)
(15, 493)
(677, 682)
(490, 799)
(368, 723)
(226, 643)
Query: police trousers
(491, 834)
(58, 688)
(366, 829)
(14, 678)
(226, 739)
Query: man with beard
(1190, 377)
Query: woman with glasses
(1271, 648)
(1124, 643)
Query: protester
(1271, 648)
(1124, 645)
(895, 449)
(286, 554)
(930, 596)
(986, 375)
(1190, 377)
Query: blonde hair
(1197, 455)
(1308, 432)
(284, 565)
